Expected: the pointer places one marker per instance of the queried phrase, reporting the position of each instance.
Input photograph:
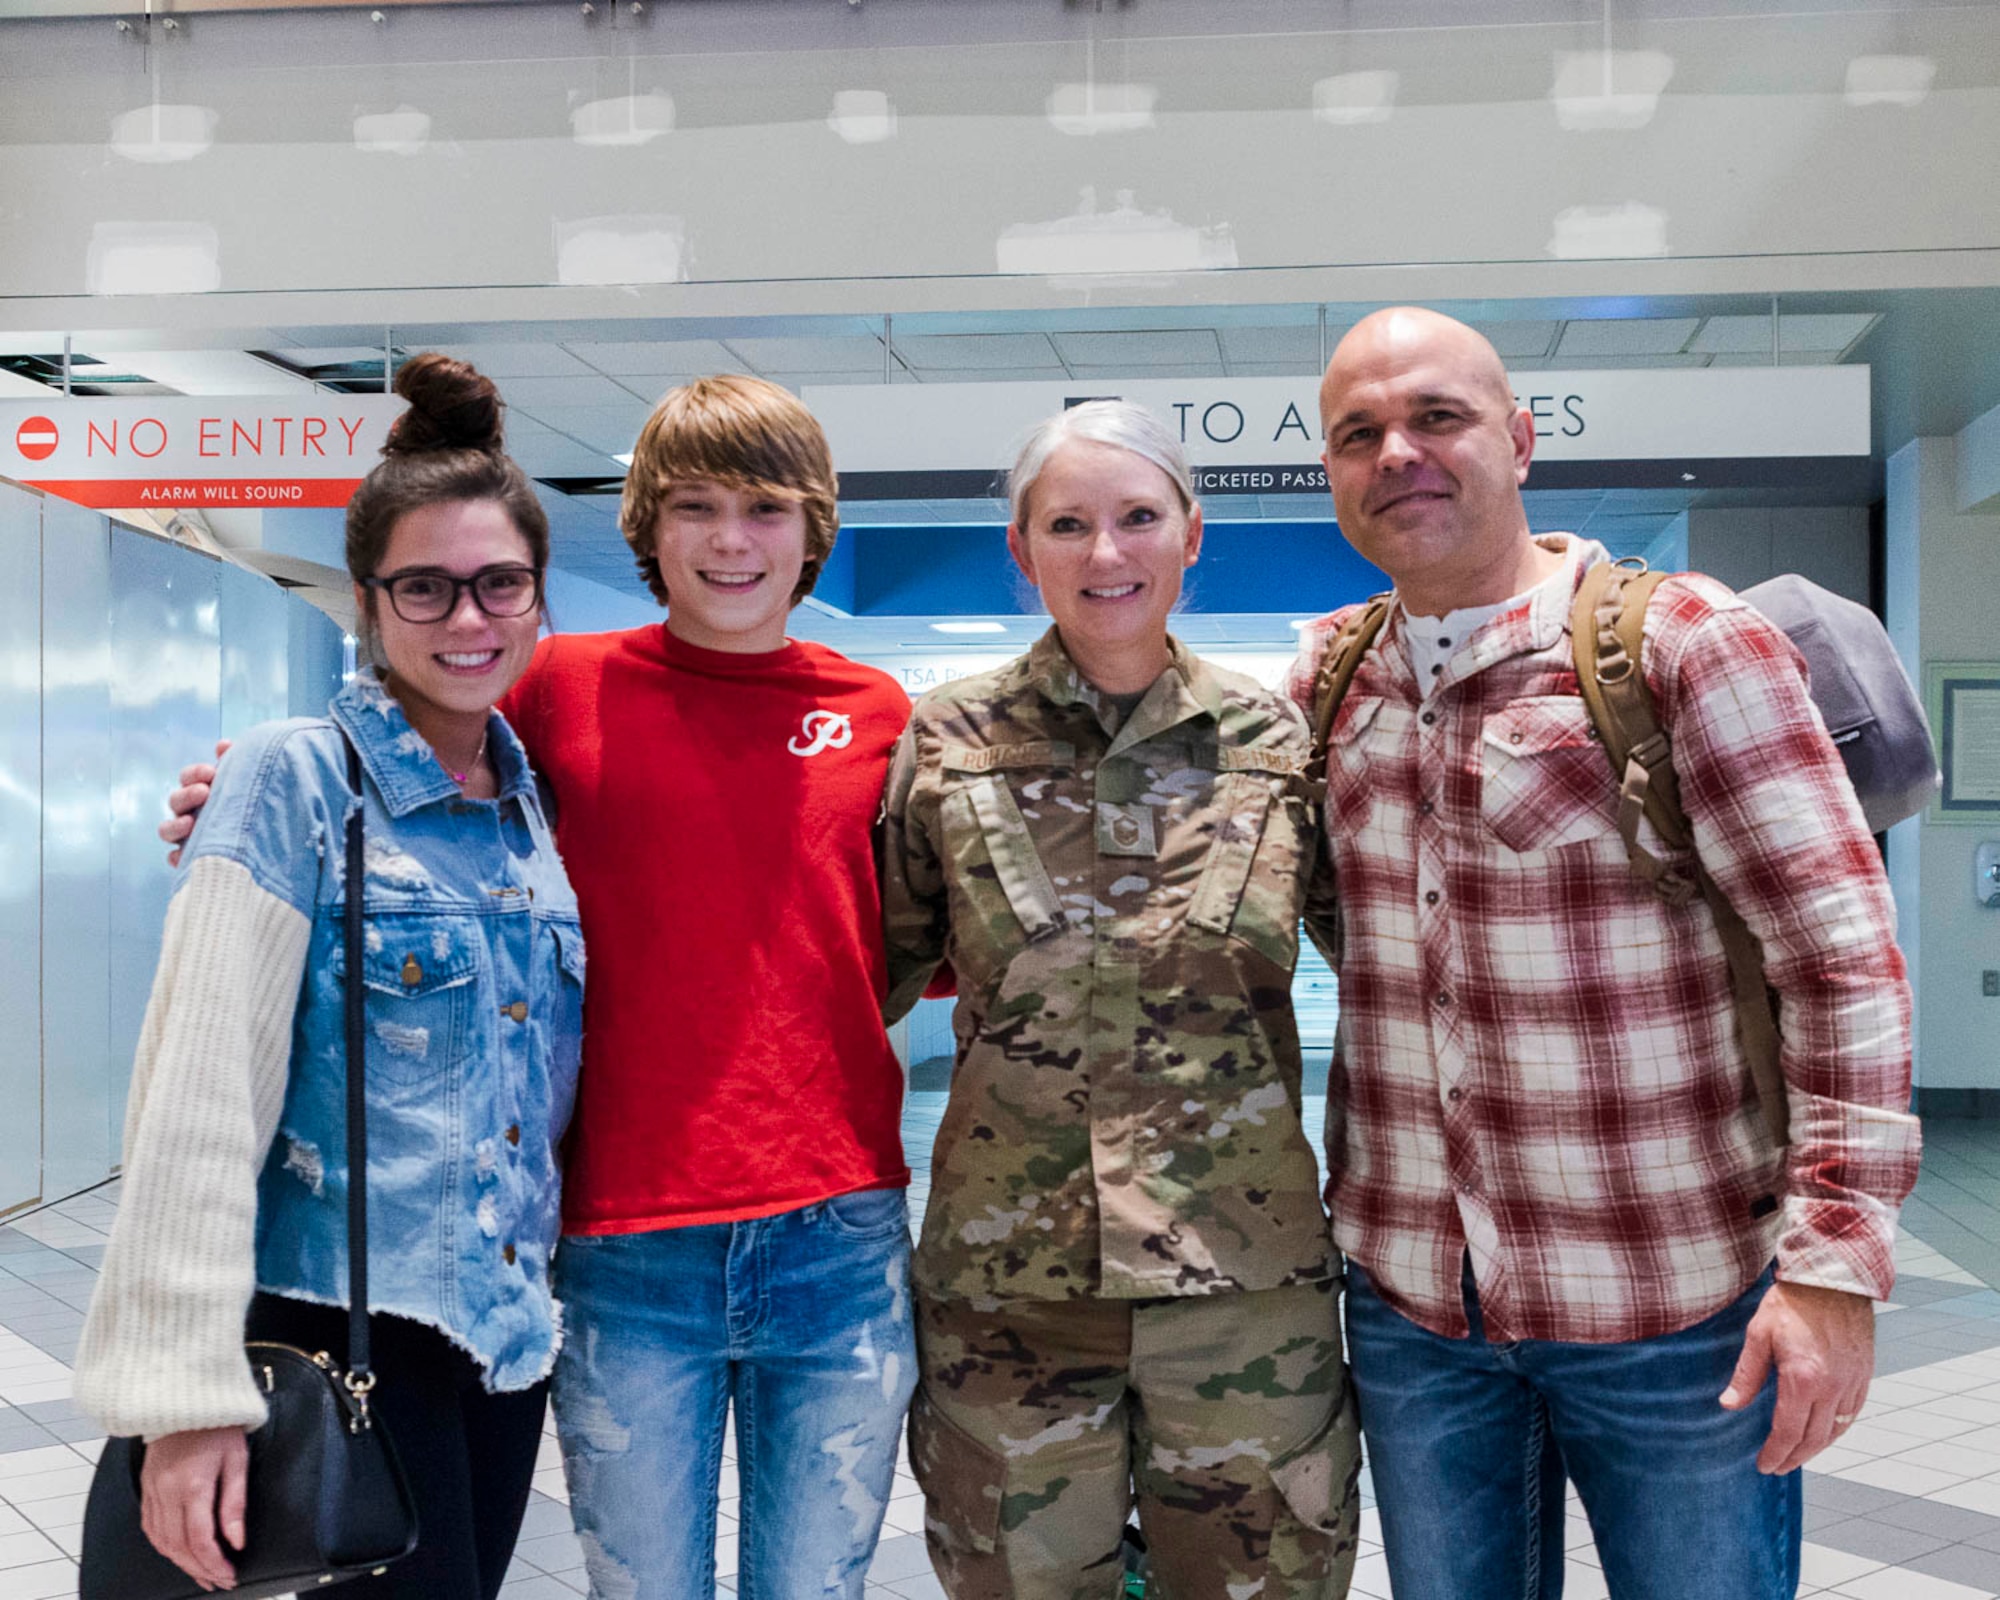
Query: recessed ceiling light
(402, 132)
(618, 250)
(1585, 233)
(1091, 108)
(1598, 89)
(152, 258)
(1889, 80)
(862, 116)
(1353, 98)
(970, 627)
(156, 133)
(626, 119)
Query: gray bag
(1866, 698)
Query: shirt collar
(1534, 626)
(1186, 689)
(400, 762)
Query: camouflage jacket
(1121, 906)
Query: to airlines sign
(177, 451)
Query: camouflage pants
(1228, 1417)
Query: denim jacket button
(517, 1012)
(413, 972)
(514, 1133)
(507, 1254)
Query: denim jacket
(473, 965)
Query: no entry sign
(190, 451)
(36, 439)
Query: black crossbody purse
(327, 1498)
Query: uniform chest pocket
(995, 864)
(422, 980)
(1253, 883)
(1544, 780)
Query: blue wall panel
(958, 570)
(20, 846)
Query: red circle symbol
(36, 438)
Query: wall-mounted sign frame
(1963, 701)
(1769, 427)
(188, 452)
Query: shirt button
(1438, 671)
(517, 1012)
(1424, 808)
(507, 1254)
(1455, 1096)
(1429, 717)
(1441, 999)
(1444, 643)
(1514, 737)
(1430, 897)
(514, 1133)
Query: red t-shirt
(716, 815)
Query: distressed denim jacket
(474, 969)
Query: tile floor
(1906, 1507)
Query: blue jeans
(802, 1321)
(1469, 1442)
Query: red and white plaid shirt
(1537, 1057)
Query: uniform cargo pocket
(962, 1479)
(982, 820)
(1321, 1481)
(1253, 884)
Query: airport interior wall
(122, 656)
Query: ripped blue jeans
(802, 1323)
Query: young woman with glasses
(235, 1168)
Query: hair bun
(452, 407)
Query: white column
(1943, 602)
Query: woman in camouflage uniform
(1125, 1284)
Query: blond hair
(741, 432)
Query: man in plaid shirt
(1574, 1250)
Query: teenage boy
(735, 1231)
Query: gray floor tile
(901, 1557)
(1960, 1563)
(1863, 1536)
(1840, 1494)
(544, 1516)
(1934, 1516)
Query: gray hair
(1123, 423)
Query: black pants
(469, 1455)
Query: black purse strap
(360, 1379)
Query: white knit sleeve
(162, 1349)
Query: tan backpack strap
(1607, 632)
(1336, 671)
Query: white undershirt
(1433, 641)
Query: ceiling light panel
(1160, 347)
(955, 352)
(606, 428)
(501, 361)
(1517, 340)
(850, 354)
(1830, 331)
(1298, 343)
(656, 355)
(542, 395)
(1626, 336)
(1192, 369)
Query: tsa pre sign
(189, 451)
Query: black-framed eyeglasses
(424, 594)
